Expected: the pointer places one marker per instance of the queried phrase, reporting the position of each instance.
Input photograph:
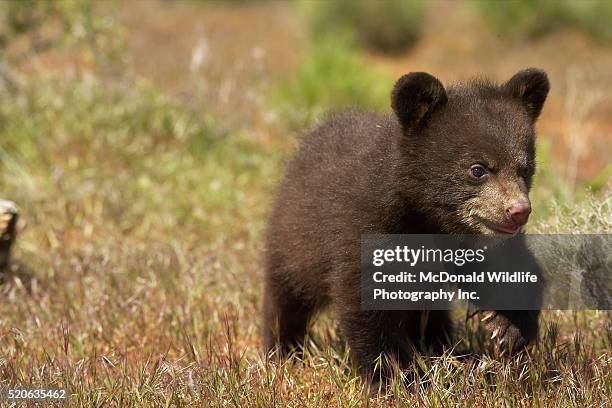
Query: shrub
(388, 26)
(534, 18)
(594, 17)
(332, 76)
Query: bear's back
(334, 189)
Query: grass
(139, 219)
(137, 273)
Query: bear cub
(455, 160)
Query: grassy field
(136, 278)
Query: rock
(8, 227)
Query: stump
(8, 227)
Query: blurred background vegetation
(389, 26)
(143, 142)
(336, 54)
(532, 18)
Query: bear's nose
(519, 212)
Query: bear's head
(468, 152)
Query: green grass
(142, 158)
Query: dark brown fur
(404, 173)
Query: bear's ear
(530, 87)
(415, 97)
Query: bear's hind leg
(438, 331)
(372, 334)
(286, 319)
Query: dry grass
(137, 275)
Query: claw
(488, 316)
(495, 333)
(4, 221)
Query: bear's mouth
(500, 228)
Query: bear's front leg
(513, 330)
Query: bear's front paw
(512, 331)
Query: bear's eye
(478, 171)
